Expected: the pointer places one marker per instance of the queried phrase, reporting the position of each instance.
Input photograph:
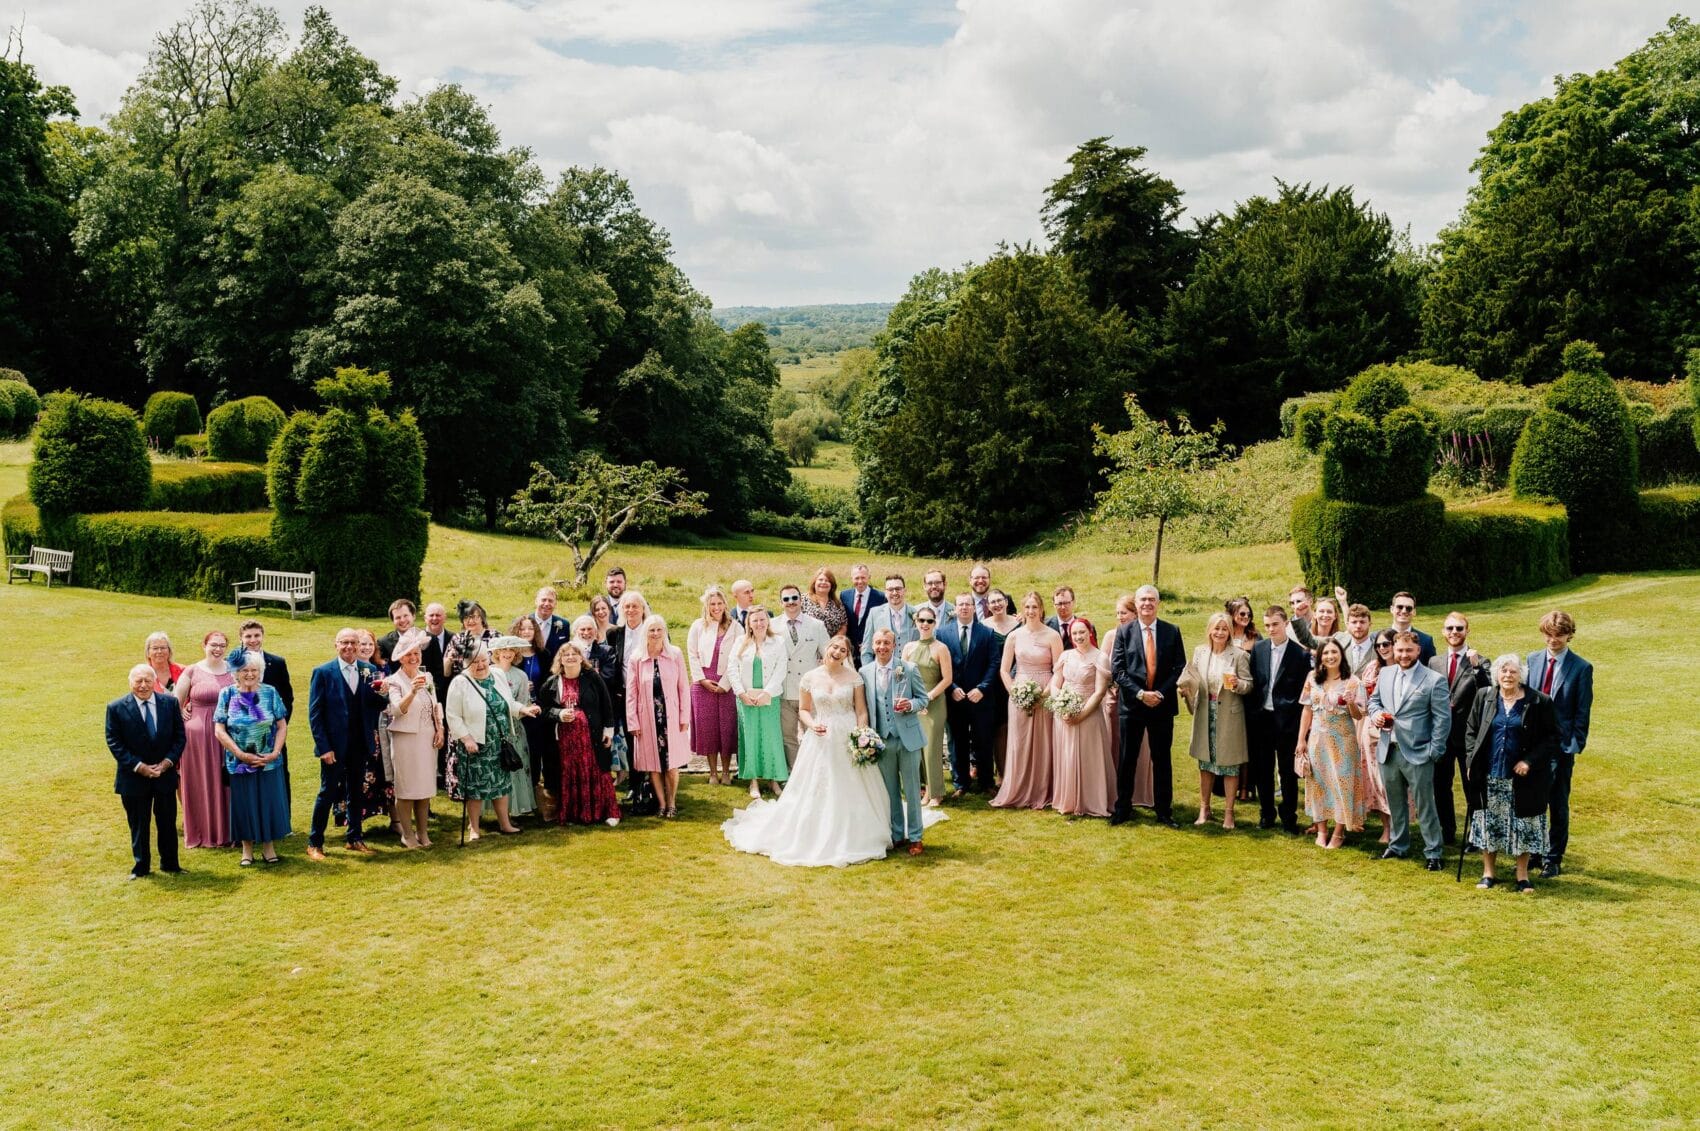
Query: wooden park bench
(286, 588)
(39, 560)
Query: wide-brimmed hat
(413, 640)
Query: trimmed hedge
(89, 457)
(1666, 445)
(1375, 550)
(208, 488)
(190, 447)
(244, 429)
(194, 556)
(364, 561)
(20, 405)
(169, 415)
(1669, 535)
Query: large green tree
(989, 439)
(1582, 224)
(1290, 294)
(1119, 224)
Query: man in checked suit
(1465, 673)
(1409, 705)
(144, 731)
(1146, 664)
(1568, 680)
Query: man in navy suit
(552, 631)
(1279, 665)
(1568, 680)
(144, 731)
(859, 600)
(973, 726)
(342, 712)
(1404, 610)
(1146, 664)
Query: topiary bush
(1578, 449)
(24, 403)
(395, 463)
(1665, 445)
(1669, 535)
(1376, 447)
(6, 409)
(333, 467)
(208, 488)
(1499, 548)
(191, 447)
(363, 561)
(167, 416)
(244, 429)
(283, 464)
(89, 457)
(1309, 424)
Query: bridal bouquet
(1066, 701)
(865, 746)
(1026, 694)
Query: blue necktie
(147, 717)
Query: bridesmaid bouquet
(865, 746)
(1026, 694)
(1066, 701)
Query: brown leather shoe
(315, 853)
(361, 847)
(915, 848)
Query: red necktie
(1452, 671)
(859, 608)
(1546, 680)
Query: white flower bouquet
(865, 746)
(1026, 694)
(1065, 702)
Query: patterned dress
(1498, 828)
(479, 776)
(831, 614)
(259, 795)
(1332, 789)
(587, 792)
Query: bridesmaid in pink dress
(206, 797)
(1034, 648)
(1085, 773)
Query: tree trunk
(1157, 556)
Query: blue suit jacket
(337, 719)
(978, 666)
(852, 627)
(1422, 720)
(904, 726)
(127, 738)
(1572, 696)
(881, 618)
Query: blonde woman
(757, 676)
(1214, 686)
(658, 710)
(714, 710)
(157, 652)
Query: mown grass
(833, 466)
(1029, 969)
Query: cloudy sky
(826, 150)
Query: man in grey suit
(1410, 707)
(805, 642)
(895, 614)
(1465, 673)
(891, 686)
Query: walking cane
(1464, 840)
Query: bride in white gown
(832, 812)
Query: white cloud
(800, 150)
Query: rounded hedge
(7, 412)
(26, 405)
(244, 429)
(283, 463)
(208, 488)
(89, 457)
(333, 468)
(168, 415)
(395, 469)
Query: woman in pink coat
(658, 713)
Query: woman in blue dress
(250, 724)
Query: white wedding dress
(832, 812)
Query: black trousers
(1138, 721)
(1558, 800)
(1273, 739)
(333, 787)
(973, 740)
(1445, 806)
(161, 805)
(545, 754)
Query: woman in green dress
(932, 659)
(522, 794)
(481, 712)
(757, 675)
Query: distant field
(801, 376)
(833, 467)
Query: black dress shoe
(1432, 865)
(1392, 855)
(1266, 822)
(138, 875)
(1291, 827)
(172, 871)
(1552, 869)
(1118, 819)
(1168, 822)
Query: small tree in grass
(598, 502)
(1162, 471)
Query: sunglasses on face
(789, 600)
(925, 620)
(1381, 645)
(1404, 608)
(1453, 628)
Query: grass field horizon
(1029, 968)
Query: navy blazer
(853, 627)
(1289, 682)
(1127, 667)
(127, 737)
(333, 712)
(1572, 697)
(978, 666)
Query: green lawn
(1029, 969)
(801, 376)
(833, 467)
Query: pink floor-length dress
(1374, 793)
(1027, 760)
(1085, 770)
(206, 798)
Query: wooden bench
(39, 560)
(290, 589)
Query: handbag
(509, 755)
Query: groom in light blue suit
(1416, 698)
(892, 687)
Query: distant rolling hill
(806, 331)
